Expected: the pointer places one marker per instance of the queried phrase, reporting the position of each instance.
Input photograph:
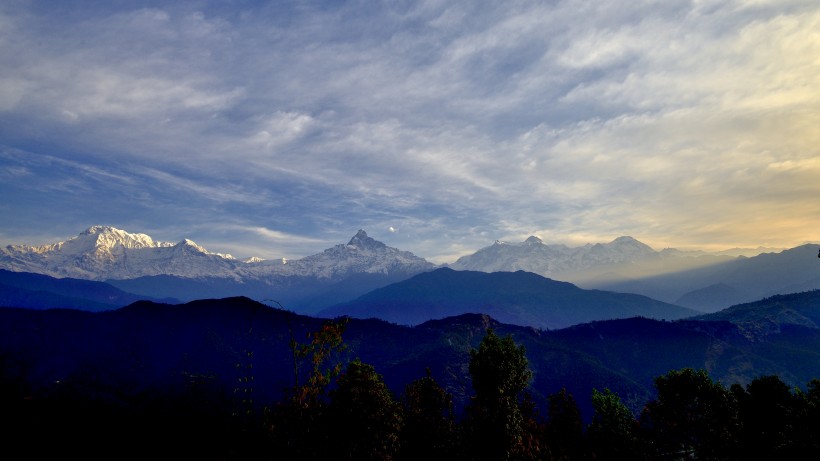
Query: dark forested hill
(518, 298)
(774, 312)
(213, 343)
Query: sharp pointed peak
(191, 244)
(362, 240)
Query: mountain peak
(191, 243)
(96, 230)
(362, 241)
(110, 237)
(624, 239)
(533, 239)
(627, 241)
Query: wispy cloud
(456, 122)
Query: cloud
(457, 122)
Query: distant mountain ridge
(38, 291)
(706, 282)
(533, 255)
(517, 298)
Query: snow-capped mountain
(555, 260)
(695, 279)
(361, 255)
(103, 253)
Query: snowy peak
(104, 252)
(363, 242)
(111, 237)
(362, 254)
(627, 241)
(191, 245)
(100, 240)
(532, 255)
(625, 248)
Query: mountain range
(137, 264)
(116, 323)
(185, 271)
(704, 281)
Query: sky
(279, 129)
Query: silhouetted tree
(319, 353)
(298, 424)
(807, 420)
(429, 430)
(769, 411)
(364, 418)
(691, 416)
(612, 433)
(564, 431)
(495, 424)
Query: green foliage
(612, 434)
(298, 424)
(497, 424)
(323, 346)
(499, 369)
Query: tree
(564, 430)
(691, 416)
(612, 433)
(429, 429)
(496, 422)
(298, 423)
(807, 420)
(768, 411)
(499, 368)
(319, 352)
(364, 417)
